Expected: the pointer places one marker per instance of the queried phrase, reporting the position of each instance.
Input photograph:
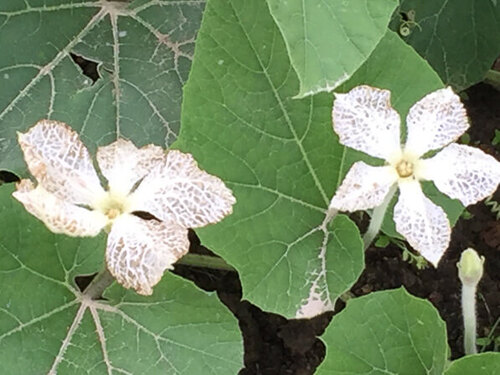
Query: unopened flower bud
(470, 267)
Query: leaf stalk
(205, 261)
(492, 77)
(378, 218)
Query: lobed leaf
(47, 325)
(143, 49)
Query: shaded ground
(277, 346)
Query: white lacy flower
(365, 121)
(69, 199)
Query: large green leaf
(460, 39)
(388, 332)
(477, 364)
(280, 157)
(144, 51)
(327, 40)
(47, 325)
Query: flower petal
(139, 251)
(364, 120)
(60, 162)
(424, 224)
(179, 191)
(436, 120)
(123, 164)
(363, 187)
(463, 172)
(58, 215)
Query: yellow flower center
(112, 205)
(112, 213)
(405, 168)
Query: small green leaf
(461, 40)
(388, 332)
(328, 40)
(465, 139)
(496, 139)
(382, 241)
(48, 326)
(466, 215)
(143, 50)
(476, 364)
(483, 341)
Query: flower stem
(99, 284)
(469, 315)
(205, 261)
(378, 218)
(470, 271)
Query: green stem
(469, 315)
(205, 261)
(344, 297)
(492, 77)
(99, 284)
(104, 279)
(378, 218)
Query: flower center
(113, 205)
(113, 212)
(405, 168)
(113, 208)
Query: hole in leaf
(88, 67)
(6, 176)
(82, 282)
(404, 16)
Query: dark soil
(273, 344)
(277, 346)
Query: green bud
(470, 267)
